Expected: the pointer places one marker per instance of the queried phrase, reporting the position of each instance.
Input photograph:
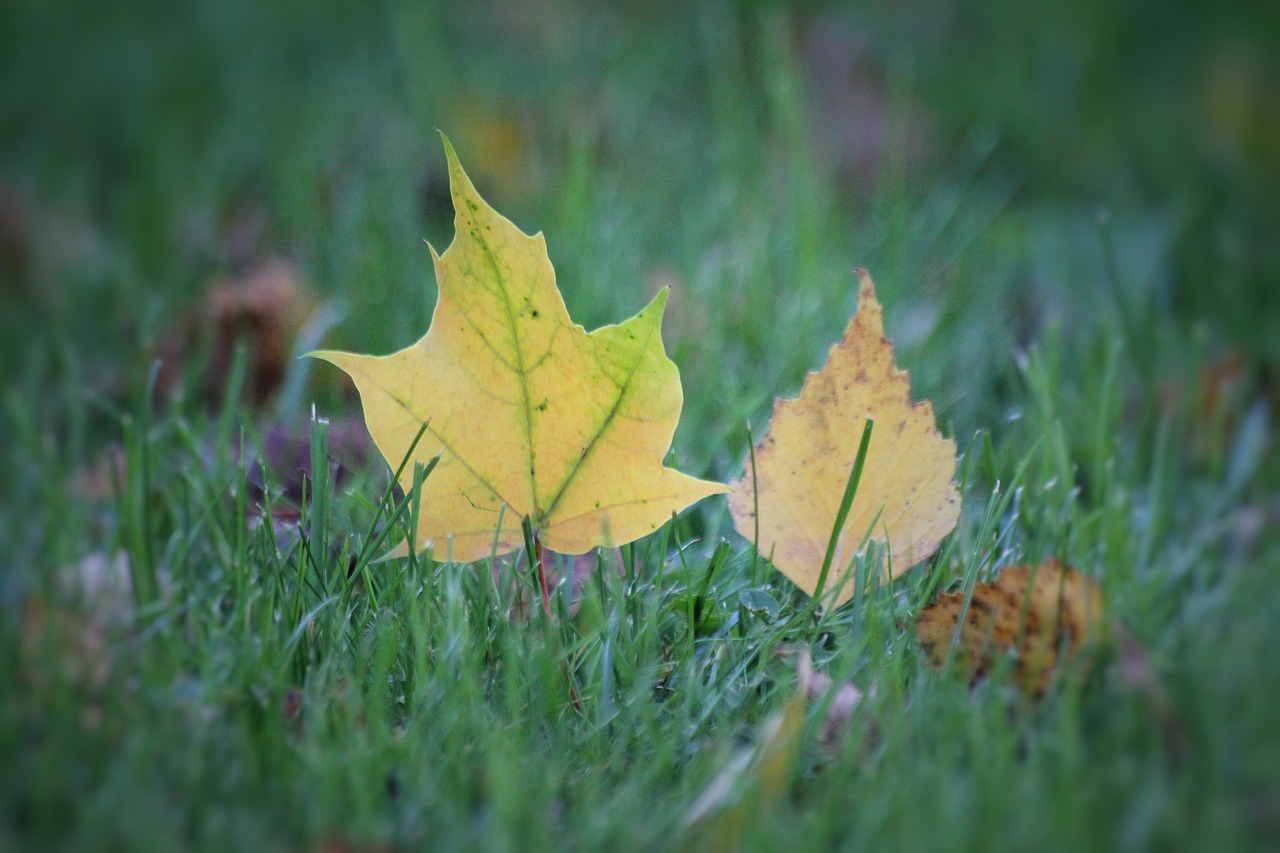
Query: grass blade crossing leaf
(803, 465)
(1036, 616)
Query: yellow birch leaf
(804, 462)
(1033, 614)
(524, 407)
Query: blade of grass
(842, 514)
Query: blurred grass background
(1070, 209)
(749, 155)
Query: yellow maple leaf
(524, 407)
(1036, 614)
(804, 463)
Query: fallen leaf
(1040, 616)
(69, 631)
(286, 456)
(756, 779)
(584, 567)
(265, 308)
(496, 134)
(525, 409)
(1240, 112)
(845, 701)
(803, 464)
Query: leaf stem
(533, 547)
(541, 557)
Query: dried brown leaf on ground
(845, 700)
(1040, 617)
(757, 778)
(585, 566)
(906, 494)
(265, 308)
(68, 631)
(287, 458)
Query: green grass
(1065, 224)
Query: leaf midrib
(539, 515)
(522, 375)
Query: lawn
(1070, 213)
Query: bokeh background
(1004, 169)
